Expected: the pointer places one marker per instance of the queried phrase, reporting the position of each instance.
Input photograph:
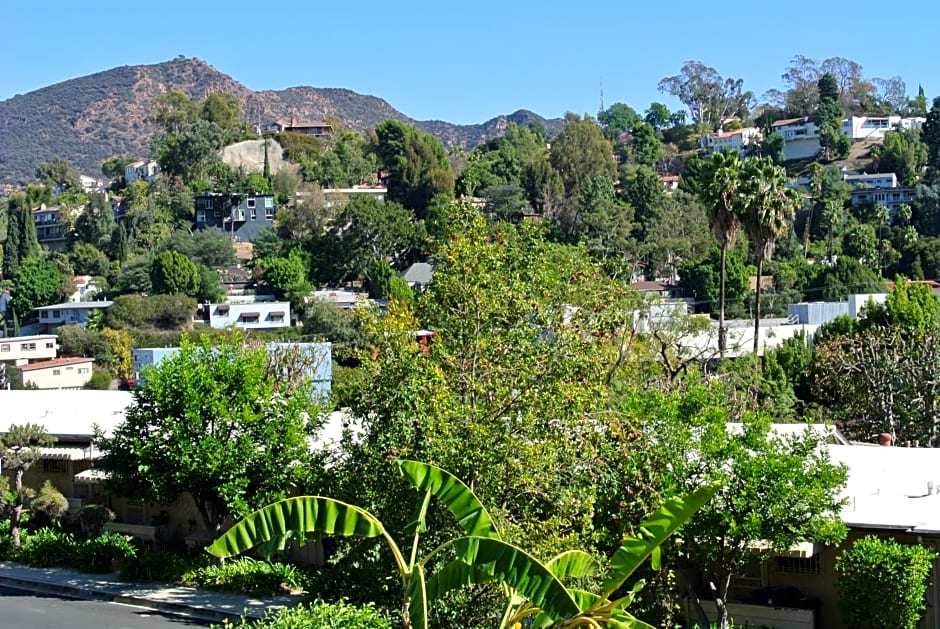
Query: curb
(179, 609)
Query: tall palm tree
(716, 185)
(766, 208)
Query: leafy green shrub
(49, 505)
(97, 553)
(47, 548)
(319, 615)
(8, 552)
(150, 565)
(247, 576)
(100, 380)
(882, 583)
(92, 518)
(163, 312)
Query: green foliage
(207, 246)
(48, 547)
(113, 167)
(246, 576)
(221, 423)
(581, 152)
(701, 279)
(96, 554)
(38, 283)
(87, 259)
(163, 312)
(93, 517)
(100, 380)
(846, 277)
(416, 163)
(172, 273)
(319, 615)
(910, 306)
(58, 175)
(904, 153)
(20, 242)
(160, 566)
(882, 583)
(49, 506)
(189, 152)
(287, 277)
(133, 277)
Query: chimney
(885, 439)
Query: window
(54, 466)
(70, 368)
(83, 370)
(200, 216)
(50, 345)
(5, 347)
(56, 372)
(217, 214)
(268, 211)
(44, 314)
(251, 203)
(25, 347)
(254, 214)
(56, 314)
(250, 317)
(799, 565)
(208, 204)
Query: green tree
(831, 138)
(581, 152)
(20, 447)
(778, 489)
(709, 97)
(95, 223)
(287, 276)
(118, 245)
(87, 259)
(173, 273)
(716, 184)
(882, 583)
(846, 277)
(113, 167)
(206, 246)
(701, 279)
(767, 209)
(772, 147)
(617, 119)
(219, 422)
(931, 136)
(917, 106)
(904, 153)
(38, 283)
(173, 109)
(190, 152)
(58, 175)
(222, 109)
(658, 116)
(416, 163)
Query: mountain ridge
(88, 119)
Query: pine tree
(11, 246)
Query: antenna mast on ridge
(602, 93)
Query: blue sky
(467, 62)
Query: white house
(49, 229)
(69, 313)
(22, 350)
(871, 180)
(739, 140)
(141, 170)
(872, 127)
(800, 135)
(59, 373)
(258, 315)
(85, 287)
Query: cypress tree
(11, 246)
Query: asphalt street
(30, 610)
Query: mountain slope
(89, 119)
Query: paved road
(31, 610)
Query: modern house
(254, 315)
(141, 170)
(800, 135)
(22, 350)
(69, 313)
(892, 198)
(58, 373)
(319, 129)
(239, 216)
(875, 127)
(85, 287)
(50, 232)
(740, 140)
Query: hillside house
(319, 129)
(870, 180)
(800, 135)
(22, 350)
(141, 170)
(740, 140)
(58, 373)
(338, 196)
(69, 313)
(50, 232)
(241, 217)
(875, 127)
(253, 315)
(670, 183)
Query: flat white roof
(77, 305)
(34, 337)
(888, 487)
(65, 411)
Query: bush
(100, 380)
(882, 583)
(150, 565)
(47, 548)
(49, 506)
(92, 519)
(319, 615)
(247, 576)
(96, 554)
(163, 312)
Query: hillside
(89, 119)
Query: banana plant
(534, 590)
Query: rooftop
(56, 362)
(66, 411)
(77, 305)
(26, 339)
